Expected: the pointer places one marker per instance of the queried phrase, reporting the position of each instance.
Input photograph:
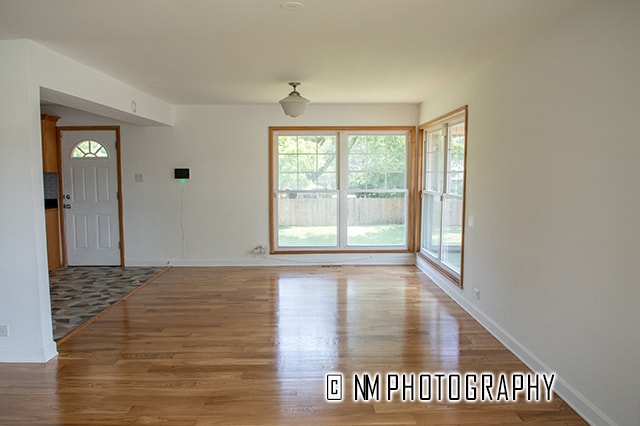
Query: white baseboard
(29, 354)
(289, 260)
(565, 390)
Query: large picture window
(443, 151)
(343, 189)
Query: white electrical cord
(315, 262)
(182, 218)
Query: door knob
(66, 206)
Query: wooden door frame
(63, 233)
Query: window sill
(338, 251)
(449, 274)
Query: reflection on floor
(80, 293)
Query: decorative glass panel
(89, 149)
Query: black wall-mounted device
(181, 173)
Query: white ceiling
(245, 51)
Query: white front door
(90, 197)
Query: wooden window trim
(411, 187)
(422, 128)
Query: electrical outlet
(4, 331)
(476, 293)
(260, 249)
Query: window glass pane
(89, 149)
(101, 152)
(434, 161)
(377, 181)
(377, 161)
(442, 220)
(452, 232)
(326, 144)
(307, 162)
(431, 224)
(357, 144)
(397, 160)
(307, 145)
(312, 181)
(327, 163)
(377, 218)
(288, 163)
(288, 181)
(307, 219)
(287, 145)
(357, 162)
(396, 180)
(455, 167)
(358, 180)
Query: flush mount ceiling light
(294, 104)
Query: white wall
(65, 81)
(27, 69)
(552, 183)
(224, 208)
(24, 291)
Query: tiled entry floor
(80, 293)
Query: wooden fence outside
(361, 211)
(322, 211)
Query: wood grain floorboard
(252, 346)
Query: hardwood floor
(249, 346)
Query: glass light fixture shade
(294, 105)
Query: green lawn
(299, 236)
(326, 236)
(319, 236)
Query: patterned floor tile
(80, 293)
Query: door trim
(116, 129)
